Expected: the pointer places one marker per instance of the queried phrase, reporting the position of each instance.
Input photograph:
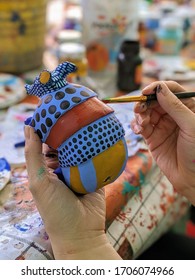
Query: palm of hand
(65, 213)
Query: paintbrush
(144, 98)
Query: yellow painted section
(107, 164)
(75, 181)
(110, 163)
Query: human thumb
(180, 113)
(36, 167)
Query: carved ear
(44, 77)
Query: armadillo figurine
(86, 133)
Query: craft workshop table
(141, 205)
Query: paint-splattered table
(141, 206)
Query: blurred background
(118, 47)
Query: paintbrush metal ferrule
(123, 99)
(144, 98)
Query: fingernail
(27, 131)
(143, 106)
(158, 89)
(136, 127)
(28, 121)
(139, 119)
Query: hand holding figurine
(168, 127)
(86, 133)
(85, 140)
(75, 224)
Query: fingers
(141, 118)
(36, 168)
(172, 85)
(145, 119)
(140, 107)
(167, 103)
(50, 157)
(145, 128)
(181, 114)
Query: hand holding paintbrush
(168, 128)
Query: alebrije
(86, 133)
(50, 81)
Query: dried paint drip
(40, 172)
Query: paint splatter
(127, 188)
(23, 227)
(40, 172)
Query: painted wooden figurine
(86, 133)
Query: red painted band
(75, 119)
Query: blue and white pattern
(56, 81)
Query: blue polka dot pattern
(54, 105)
(90, 141)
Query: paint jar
(22, 32)
(69, 36)
(169, 37)
(72, 15)
(129, 66)
(75, 53)
(151, 25)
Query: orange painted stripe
(75, 119)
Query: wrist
(88, 248)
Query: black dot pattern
(54, 105)
(89, 141)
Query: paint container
(129, 66)
(22, 32)
(169, 37)
(75, 53)
(151, 25)
(69, 36)
(72, 16)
